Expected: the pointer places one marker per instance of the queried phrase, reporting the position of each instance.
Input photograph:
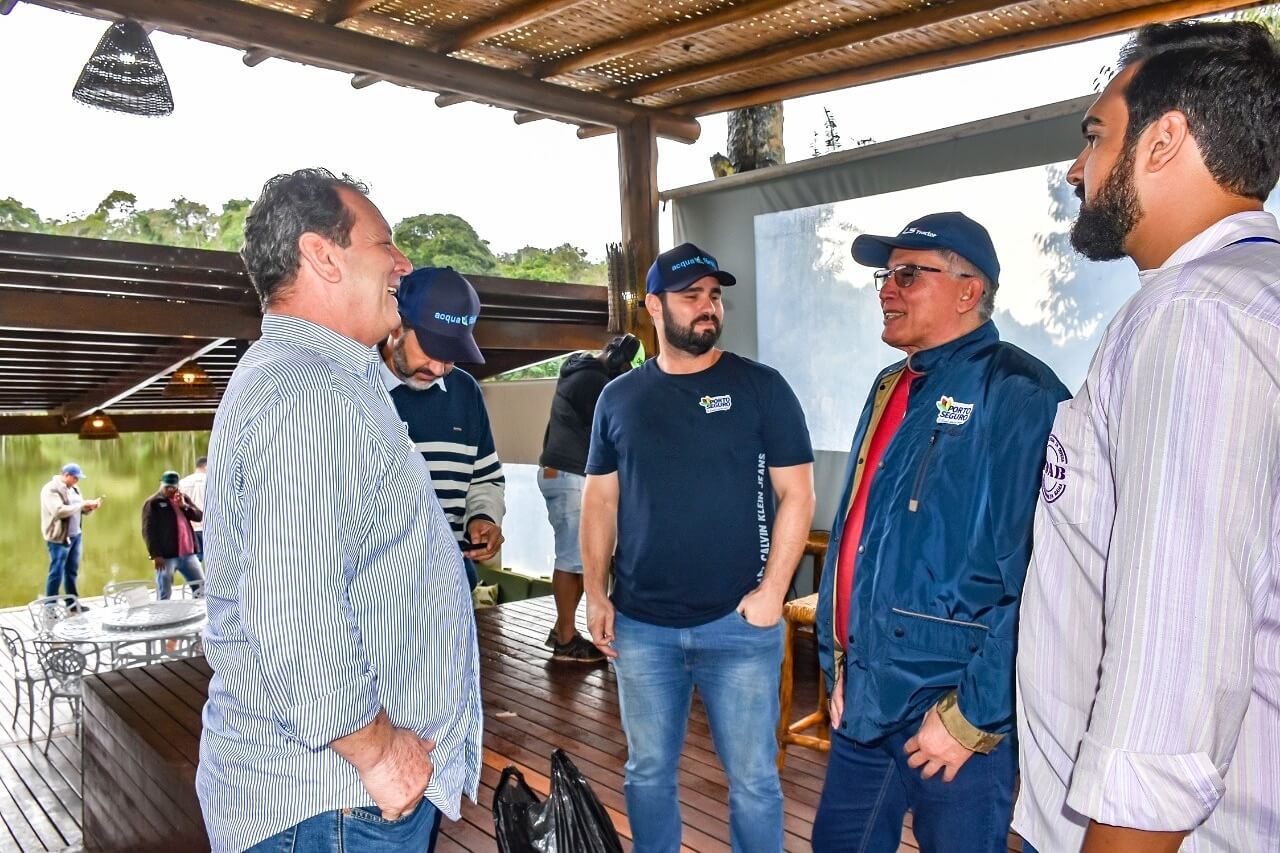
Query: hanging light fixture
(189, 382)
(98, 427)
(124, 74)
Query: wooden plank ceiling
(88, 324)
(602, 64)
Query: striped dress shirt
(1149, 642)
(334, 589)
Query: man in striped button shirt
(443, 407)
(1149, 642)
(346, 673)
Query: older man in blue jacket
(918, 608)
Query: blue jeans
(869, 789)
(563, 497)
(735, 667)
(64, 565)
(361, 829)
(189, 566)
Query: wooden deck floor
(532, 705)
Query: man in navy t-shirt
(687, 455)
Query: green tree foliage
(444, 240)
(435, 239)
(15, 216)
(565, 262)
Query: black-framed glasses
(905, 275)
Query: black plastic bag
(571, 820)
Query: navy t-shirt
(695, 510)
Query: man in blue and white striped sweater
(443, 407)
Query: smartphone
(468, 546)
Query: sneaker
(552, 640)
(577, 650)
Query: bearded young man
(688, 452)
(1149, 648)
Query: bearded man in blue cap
(918, 604)
(689, 453)
(443, 408)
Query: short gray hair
(960, 264)
(292, 205)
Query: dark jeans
(64, 565)
(362, 829)
(869, 789)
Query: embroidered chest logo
(1054, 481)
(951, 413)
(716, 404)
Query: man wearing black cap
(168, 517)
(561, 475)
(688, 453)
(443, 407)
(918, 604)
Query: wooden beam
(591, 131)
(638, 191)
(6, 6)
(31, 424)
(59, 312)
(954, 57)
(449, 99)
(344, 10)
(810, 45)
(127, 383)
(656, 36)
(555, 337)
(504, 21)
(525, 117)
(364, 81)
(240, 25)
(255, 56)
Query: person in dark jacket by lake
(561, 474)
(169, 536)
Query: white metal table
(129, 625)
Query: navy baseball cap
(953, 231)
(73, 469)
(442, 308)
(676, 269)
(170, 478)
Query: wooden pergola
(642, 69)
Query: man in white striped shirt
(346, 672)
(1149, 641)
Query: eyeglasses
(904, 275)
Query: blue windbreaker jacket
(946, 539)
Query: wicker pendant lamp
(124, 74)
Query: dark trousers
(64, 565)
(869, 789)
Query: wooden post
(638, 195)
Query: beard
(684, 338)
(1104, 224)
(406, 373)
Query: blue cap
(676, 269)
(170, 478)
(442, 308)
(953, 231)
(73, 469)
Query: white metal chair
(65, 668)
(49, 610)
(190, 589)
(128, 592)
(27, 673)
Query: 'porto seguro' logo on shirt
(716, 404)
(1054, 481)
(952, 413)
